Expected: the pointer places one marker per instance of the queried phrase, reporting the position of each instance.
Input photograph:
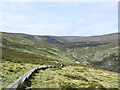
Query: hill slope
(98, 51)
(21, 52)
(100, 38)
(73, 76)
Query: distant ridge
(97, 38)
(98, 51)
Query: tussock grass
(10, 71)
(22, 52)
(72, 77)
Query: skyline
(60, 19)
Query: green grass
(15, 64)
(42, 47)
(22, 52)
(11, 71)
(75, 76)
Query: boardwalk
(18, 83)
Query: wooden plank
(21, 80)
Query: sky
(60, 18)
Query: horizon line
(59, 35)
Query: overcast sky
(60, 18)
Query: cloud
(15, 18)
(100, 20)
(68, 19)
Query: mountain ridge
(66, 38)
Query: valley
(90, 62)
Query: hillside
(76, 53)
(94, 50)
(100, 38)
(73, 76)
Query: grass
(88, 54)
(98, 56)
(19, 57)
(11, 71)
(75, 76)
(16, 64)
(22, 52)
